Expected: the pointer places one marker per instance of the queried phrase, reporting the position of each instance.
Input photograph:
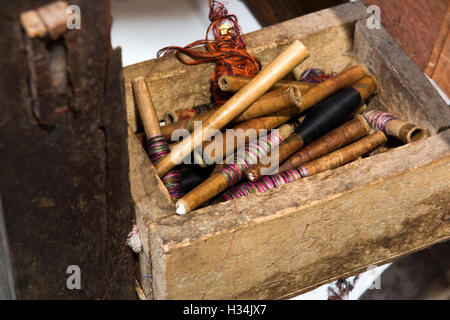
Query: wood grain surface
(414, 24)
(63, 157)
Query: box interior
(174, 85)
(287, 236)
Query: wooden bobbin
(215, 184)
(150, 122)
(406, 132)
(328, 87)
(236, 83)
(242, 133)
(236, 105)
(146, 109)
(343, 135)
(284, 131)
(319, 92)
(185, 124)
(402, 130)
(284, 151)
(346, 154)
(173, 116)
(170, 117)
(350, 131)
(328, 162)
(365, 87)
(270, 102)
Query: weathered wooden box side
(313, 231)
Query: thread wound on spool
(330, 161)
(328, 114)
(277, 69)
(158, 148)
(324, 117)
(266, 183)
(315, 75)
(378, 119)
(390, 125)
(253, 151)
(348, 132)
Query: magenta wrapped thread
(378, 119)
(158, 148)
(315, 75)
(253, 151)
(266, 183)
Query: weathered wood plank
(414, 24)
(119, 260)
(334, 224)
(441, 72)
(405, 90)
(7, 288)
(439, 51)
(56, 179)
(151, 201)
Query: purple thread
(158, 148)
(378, 119)
(253, 151)
(266, 183)
(315, 75)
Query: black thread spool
(324, 117)
(328, 114)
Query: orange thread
(228, 50)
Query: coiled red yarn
(228, 50)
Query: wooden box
(313, 231)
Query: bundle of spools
(281, 130)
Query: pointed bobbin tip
(181, 210)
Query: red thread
(228, 50)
